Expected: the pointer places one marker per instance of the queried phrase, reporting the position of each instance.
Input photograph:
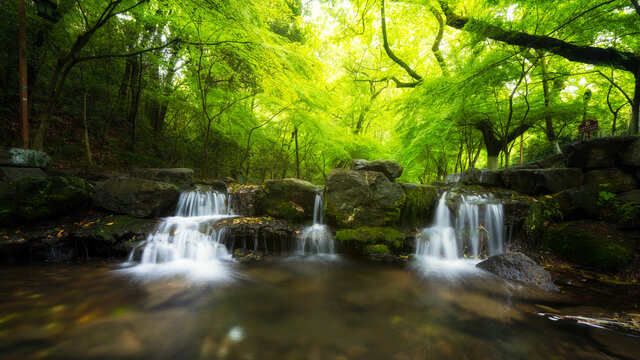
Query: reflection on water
(287, 310)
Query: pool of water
(289, 309)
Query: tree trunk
(634, 124)
(551, 136)
(295, 134)
(86, 129)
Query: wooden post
(22, 50)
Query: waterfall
(187, 243)
(316, 239)
(474, 230)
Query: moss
(587, 243)
(377, 249)
(371, 235)
(418, 204)
(47, 197)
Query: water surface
(288, 309)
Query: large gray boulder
(246, 200)
(391, 169)
(137, 197)
(291, 199)
(611, 179)
(541, 181)
(597, 153)
(23, 158)
(49, 197)
(362, 198)
(12, 174)
(475, 176)
(181, 177)
(518, 267)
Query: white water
(187, 244)
(316, 239)
(474, 230)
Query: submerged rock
(362, 198)
(589, 243)
(391, 169)
(137, 197)
(24, 158)
(181, 177)
(542, 181)
(291, 199)
(518, 267)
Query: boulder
(391, 169)
(542, 181)
(181, 177)
(475, 176)
(91, 176)
(24, 158)
(265, 235)
(362, 198)
(137, 197)
(596, 153)
(611, 179)
(518, 267)
(631, 196)
(590, 243)
(12, 174)
(420, 201)
(574, 203)
(291, 199)
(363, 240)
(246, 200)
(215, 185)
(631, 155)
(39, 198)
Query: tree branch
(584, 54)
(390, 53)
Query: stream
(290, 308)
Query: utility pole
(22, 50)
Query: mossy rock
(419, 203)
(592, 244)
(290, 199)
(7, 194)
(377, 249)
(49, 197)
(362, 240)
(362, 198)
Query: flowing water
(316, 239)
(475, 229)
(187, 244)
(283, 309)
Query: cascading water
(476, 230)
(316, 239)
(186, 243)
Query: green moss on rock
(377, 249)
(420, 200)
(590, 244)
(290, 199)
(371, 235)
